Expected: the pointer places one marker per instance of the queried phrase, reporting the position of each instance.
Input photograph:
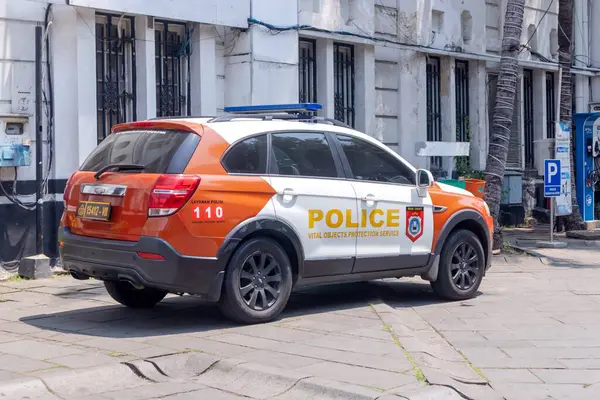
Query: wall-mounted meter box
(15, 142)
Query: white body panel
(393, 201)
(306, 195)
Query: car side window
(371, 163)
(248, 156)
(303, 154)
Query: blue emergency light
(271, 108)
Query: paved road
(531, 334)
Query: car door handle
(370, 197)
(287, 192)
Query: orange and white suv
(243, 208)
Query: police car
(242, 208)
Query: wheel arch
(470, 220)
(274, 229)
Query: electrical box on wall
(15, 144)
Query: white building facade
(417, 75)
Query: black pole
(38, 140)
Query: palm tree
(503, 112)
(573, 221)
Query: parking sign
(551, 178)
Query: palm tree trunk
(503, 112)
(573, 221)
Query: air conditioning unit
(595, 107)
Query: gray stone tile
(22, 364)
(511, 376)
(152, 391)
(550, 352)
(395, 362)
(186, 342)
(246, 341)
(212, 394)
(112, 344)
(581, 363)
(572, 376)
(383, 380)
(538, 391)
(37, 350)
(273, 332)
(372, 333)
(277, 360)
(9, 337)
(355, 345)
(85, 360)
(7, 375)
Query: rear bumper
(118, 260)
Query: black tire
(242, 281)
(449, 284)
(124, 293)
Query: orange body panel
(239, 198)
(454, 202)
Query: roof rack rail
(283, 117)
(180, 117)
(287, 112)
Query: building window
(434, 116)
(307, 71)
(528, 116)
(115, 71)
(343, 61)
(461, 73)
(172, 45)
(550, 105)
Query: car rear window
(160, 151)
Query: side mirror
(424, 181)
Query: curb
(230, 375)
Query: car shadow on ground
(181, 315)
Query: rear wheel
(462, 263)
(124, 293)
(258, 282)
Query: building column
(262, 68)
(87, 112)
(64, 76)
(325, 79)
(204, 71)
(365, 88)
(145, 67)
(478, 114)
(412, 106)
(448, 106)
(539, 105)
(594, 53)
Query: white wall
(235, 67)
(217, 12)
(17, 68)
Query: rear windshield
(160, 151)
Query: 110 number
(208, 213)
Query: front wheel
(258, 282)
(124, 293)
(462, 263)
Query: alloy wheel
(260, 281)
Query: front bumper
(118, 260)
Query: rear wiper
(118, 167)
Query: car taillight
(170, 193)
(67, 192)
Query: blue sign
(551, 178)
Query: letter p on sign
(551, 178)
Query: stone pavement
(532, 333)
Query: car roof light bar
(274, 108)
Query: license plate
(93, 210)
